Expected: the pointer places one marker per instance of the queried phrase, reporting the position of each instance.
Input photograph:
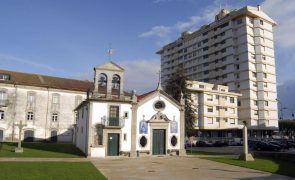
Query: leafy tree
(174, 87)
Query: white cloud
(160, 31)
(141, 75)
(9, 58)
(166, 34)
(282, 11)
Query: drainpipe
(14, 111)
(47, 112)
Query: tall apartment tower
(236, 50)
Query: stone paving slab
(189, 167)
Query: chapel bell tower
(109, 81)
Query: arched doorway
(1, 135)
(53, 137)
(29, 136)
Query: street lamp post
(281, 109)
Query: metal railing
(113, 121)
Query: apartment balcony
(3, 102)
(113, 122)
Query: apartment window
(251, 20)
(266, 103)
(252, 56)
(255, 112)
(217, 96)
(263, 48)
(209, 109)
(254, 84)
(31, 98)
(201, 86)
(54, 117)
(264, 75)
(238, 85)
(238, 76)
(4, 77)
(78, 100)
(205, 41)
(254, 74)
(239, 21)
(232, 100)
(30, 116)
(209, 120)
(217, 119)
(209, 97)
(255, 102)
(264, 57)
(1, 115)
(232, 110)
(265, 84)
(3, 95)
(261, 22)
(238, 66)
(223, 50)
(239, 103)
(232, 121)
(199, 44)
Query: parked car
(282, 144)
(252, 143)
(264, 146)
(203, 144)
(189, 144)
(220, 143)
(234, 143)
(291, 144)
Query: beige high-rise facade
(235, 50)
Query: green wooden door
(159, 142)
(113, 144)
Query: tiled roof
(140, 97)
(39, 80)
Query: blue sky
(68, 38)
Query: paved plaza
(190, 167)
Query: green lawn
(49, 170)
(45, 150)
(260, 163)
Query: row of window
(30, 116)
(31, 97)
(231, 110)
(218, 119)
(210, 98)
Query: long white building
(44, 103)
(236, 50)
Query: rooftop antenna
(110, 52)
(159, 82)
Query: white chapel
(112, 122)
